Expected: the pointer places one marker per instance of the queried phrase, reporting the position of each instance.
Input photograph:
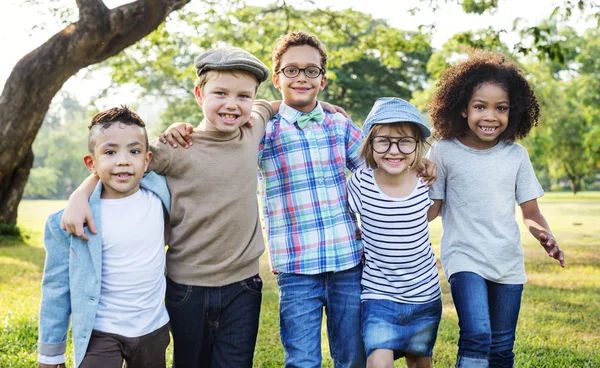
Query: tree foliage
(368, 58)
(98, 34)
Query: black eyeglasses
(382, 144)
(309, 71)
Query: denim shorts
(403, 328)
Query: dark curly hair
(457, 84)
(297, 39)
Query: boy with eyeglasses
(312, 237)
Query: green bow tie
(316, 115)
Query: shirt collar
(290, 115)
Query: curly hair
(292, 39)
(458, 82)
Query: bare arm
(434, 210)
(538, 227)
(78, 211)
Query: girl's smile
(487, 116)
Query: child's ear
(88, 160)
(275, 79)
(323, 81)
(464, 114)
(198, 95)
(147, 160)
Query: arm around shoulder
(263, 111)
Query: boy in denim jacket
(112, 286)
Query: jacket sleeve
(55, 308)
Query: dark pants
(214, 326)
(107, 350)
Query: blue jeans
(301, 302)
(487, 317)
(214, 326)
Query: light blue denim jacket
(71, 281)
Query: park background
(379, 50)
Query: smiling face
(394, 162)
(120, 158)
(487, 116)
(301, 91)
(226, 99)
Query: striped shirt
(399, 262)
(303, 182)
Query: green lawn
(558, 325)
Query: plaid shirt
(303, 182)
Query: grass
(558, 324)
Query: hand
(358, 234)
(76, 215)
(428, 171)
(42, 365)
(178, 133)
(549, 243)
(333, 109)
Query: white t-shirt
(399, 262)
(133, 282)
(479, 189)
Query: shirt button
(309, 133)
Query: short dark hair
(458, 82)
(105, 119)
(293, 39)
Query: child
(112, 286)
(213, 287)
(312, 243)
(401, 296)
(480, 108)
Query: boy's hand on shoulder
(549, 243)
(42, 365)
(427, 170)
(178, 133)
(76, 215)
(333, 109)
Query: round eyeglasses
(382, 144)
(309, 71)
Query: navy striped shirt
(399, 262)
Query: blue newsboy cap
(231, 58)
(388, 110)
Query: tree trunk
(98, 34)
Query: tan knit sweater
(216, 235)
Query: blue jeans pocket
(177, 294)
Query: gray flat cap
(231, 58)
(388, 110)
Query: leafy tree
(540, 40)
(59, 148)
(367, 57)
(99, 33)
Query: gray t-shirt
(479, 189)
